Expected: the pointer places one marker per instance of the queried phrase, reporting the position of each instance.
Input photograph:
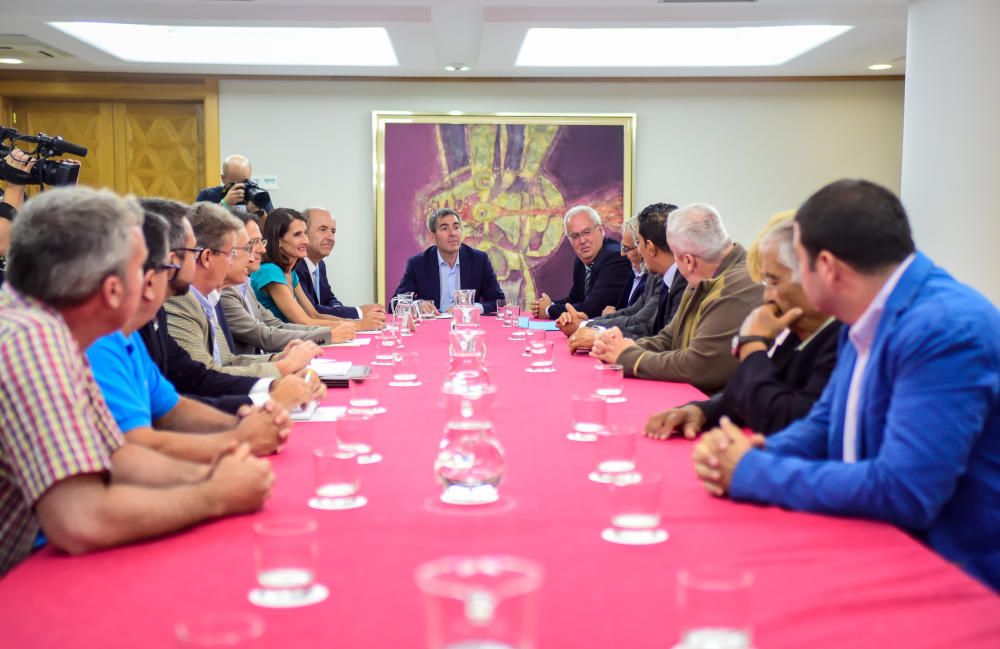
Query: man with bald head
(236, 170)
(311, 270)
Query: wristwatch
(739, 341)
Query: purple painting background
(585, 162)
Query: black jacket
(326, 302)
(767, 394)
(608, 273)
(475, 272)
(189, 377)
(217, 193)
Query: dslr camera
(252, 193)
(46, 171)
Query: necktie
(661, 312)
(586, 280)
(316, 284)
(220, 319)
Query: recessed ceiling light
(456, 67)
(352, 46)
(642, 47)
(880, 66)
(11, 61)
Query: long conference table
(819, 581)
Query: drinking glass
(501, 314)
(615, 455)
(610, 382)
(465, 316)
(512, 314)
(356, 432)
(636, 510)
(530, 336)
(387, 344)
(405, 370)
(337, 479)
(364, 395)
(714, 605)
(488, 602)
(542, 352)
(219, 629)
(589, 417)
(285, 557)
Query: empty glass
(501, 305)
(512, 314)
(610, 382)
(486, 602)
(405, 370)
(387, 344)
(542, 353)
(714, 607)
(405, 320)
(285, 556)
(219, 629)
(356, 432)
(364, 395)
(589, 417)
(337, 479)
(614, 453)
(530, 336)
(636, 510)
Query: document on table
(539, 325)
(357, 342)
(329, 369)
(369, 332)
(312, 413)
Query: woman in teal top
(277, 286)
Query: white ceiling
(483, 34)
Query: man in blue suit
(907, 430)
(311, 270)
(449, 265)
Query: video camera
(252, 193)
(45, 171)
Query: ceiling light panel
(229, 45)
(642, 47)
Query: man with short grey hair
(694, 347)
(599, 271)
(75, 272)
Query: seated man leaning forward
(599, 270)
(776, 383)
(146, 406)
(695, 347)
(75, 275)
(449, 265)
(907, 430)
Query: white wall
(750, 148)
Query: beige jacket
(695, 347)
(254, 327)
(188, 325)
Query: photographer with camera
(237, 190)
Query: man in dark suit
(450, 265)
(599, 271)
(236, 170)
(189, 377)
(312, 269)
(772, 387)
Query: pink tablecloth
(820, 582)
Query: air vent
(18, 46)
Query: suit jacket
(767, 393)
(188, 324)
(928, 428)
(640, 322)
(695, 347)
(216, 194)
(190, 377)
(326, 302)
(628, 297)
(256, 330)
(608, 273)
(475, 272)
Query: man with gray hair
(599, 271)
(69, 477)
(695, 346)
(787, 350)
(449, 265)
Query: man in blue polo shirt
(146, 406)
(907, 430)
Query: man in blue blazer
(449, 265)
(312, 269)
(599, 270)
(907, 430)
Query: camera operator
(236, 171)
(11, 200)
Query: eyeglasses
(583, 233)
(159, 268)
(627, 249)
(257, 242)
(228, 253)
(196, 251)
